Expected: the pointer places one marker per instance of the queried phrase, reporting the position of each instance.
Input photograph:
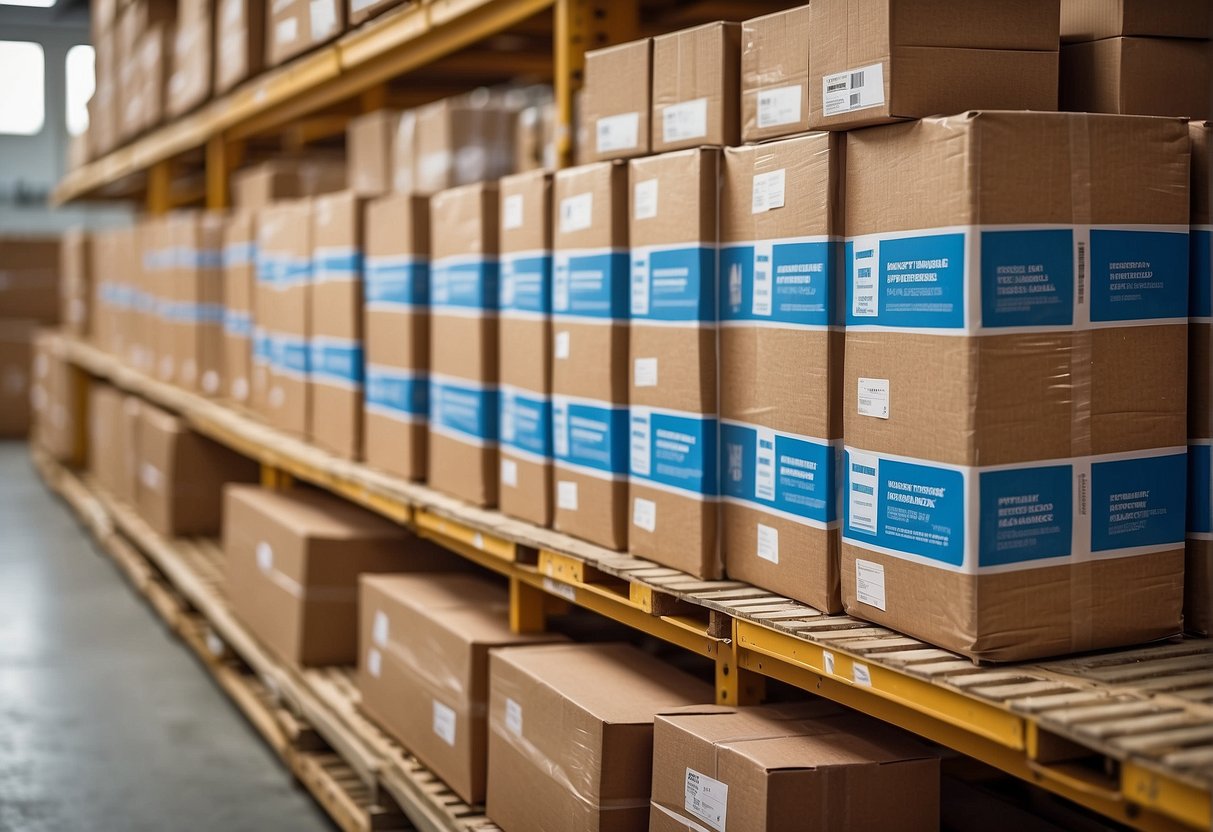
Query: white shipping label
(644, 514)
(233, 12)
(444, 722)
(568, 593)
(513, 716)
(641, 427)
(511, 212)
(286, 31)
(644, 200)
(509, 473)
(827, 659)
(620, 132)
(855, 89)
(768, 543)
(869, 583)
(780, 105)
(706, 799)
(768, 191)
(265, 556)
(645, 372)
(561, 347)
(764, 464)
(324, 18)
(874, 397)
(560, 429)
(860, 675)
(687, 120)
(151, 476)
(566, 495)
(763, 302)
(379, 628)
(576, 212)
(374, 662)
(640, 283)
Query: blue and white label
(1200, 259)
(526, 283)
(282, 271)
(590, 283)
(263, 346)
(396, 393)
(590, 436)
(793, 477)
(238, 323)
(336, 264)
(1200, 490)
(241, 254)
(525, 423)
(674, 284)
(673, 450)
(968, 280)
(464, 283)
(289, 355)
(1013, 517)
(463, 410)
(336, 361)
(396, 283)
(791, 283)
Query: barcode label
(856, 80)
(854, 89)
(1082, 273)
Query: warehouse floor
(106, 722)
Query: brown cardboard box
(103, 16)
(912, 59)
(293, 562)
(197, 238)
(157, 297)
(192, 59)
(239, 282)
(16, 364)
(780, 350)
(525, 347)
(695, 87)
(1083, 20)
(57, 401)
(239, 41)
(970, 427)
(464, 234)
(604, 696)
(261, 185)
(368, 148)
(282, 299)
(1138, 76)
(105, 460)
(295, 26)
(1198, 577)
(126, 442)
(75, 281)
(335, 324)
(590, 283)
(456, 141)
(672, 475)
(775, 75)
(139, 318)
(397, 334)
(182, 474)
(29, 278)
(616, 105)
(423, 667)
(754, 769)
(535, 138)
(155, 68)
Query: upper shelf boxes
(775, 75)
(617, 100)
(695, 95)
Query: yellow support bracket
(735, 684)
(443, 528)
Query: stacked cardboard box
(259, 186)
(102, 133)
(452, 142)
(368, 151)
(76, 281)
(239, 41)
(105, 455)
(144, 31)
(617, 101)
(29, 297)
(16, 362)
(293, 27)
(57, 394)
(695, 94)
(195, 308)
(239, 282)
(1198, 583)
(775, 75)
(192, 60)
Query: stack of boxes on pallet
(31, 269)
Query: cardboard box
(695, 87)
(672, 472)
(158, 294)
(182, 474)
(264, 184)
(616, 104)
(111, 289)
(296, 26)
(1083, 20)
(57, 401)
(590, 284)
(535, 138)
(525, 347)
(239, 41)
(293, 562)
(155, 69)
(192, 59)
(239, 282)
(16, 363)
(775, 75)
(397, 334)
(780, 350)
(368, 148)
(754, 769)
(605, 695)
(966, 442)
(909, 60)
(1198, 583)
(76, 281)
(105, 460)
(29, 278)
(464, 234)
(335, 324)
(126, 441)
(456, 141)
(423, 667)
(197, 238)
(1138, 76)
(141, 314)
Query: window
(41, 4)
(23, 94)
(81, 81)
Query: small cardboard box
(672, 471)
(368, 149)
(155, 69)
(907, 60)
(464, 234)
(590, 284)
(752, 769)
(695, 87)
(1138, 76)
(192, 62)
(29, 278)
(105, 461)
(16, 364)
(76, 281)
(1083, 20)
(56, 400)
(239, 281)
(262, 185)
(239, 41)
(525, 347)
(775, 75)
(182, 474)
(452, 142)
(197, 313)
(396, 321)
(604, 695)
(293, 562)
(295, 26)
(126, 440)
(423, 667)
(1198, 577)
(616, 102)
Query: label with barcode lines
(854, 89)
(1082, 273)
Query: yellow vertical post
(527, 607)
(159, 188)
(735, 685)
(221, 158)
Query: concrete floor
(106, 721)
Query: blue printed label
(780, 281)
(1138, 502)
(590, 435)
(398, 282)
(237, 323)
(674, 450)
(1200, 291)
(525, 283)
(674, 284)
(1138, 275)
(1026, 514)
(778, 472)
(289, 354)
(336, 361)
(1200, 490)
(336, 264)
(282, 271)
(395, 392)
(464, 408)
(906, 281)
(590, 284)
(526, 422)
(239, 254)
(263, 346)
(462, 283)
(1027, 278)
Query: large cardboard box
(1138, 76)
(754, 769)
(293, 562)
(29, 278)
(368, 150)
(464, 234)
(156, 302)
(105, 452)
(182, 474)
(57, 401)
(282, 299)
(672, 470)
(1198, 583)
(141, 315)
(616, 104)
(525, 347)
(606, 696)
(775, 75)
(1016, 372)
(1097, 19)
(75, 282)
(452, 142)
(239, 281)
(197, 311)
(912, 59)
(262, 185)
(155, 69)
(590, 285)
(296, 26)
(192, 61)
(781, 345)
(695, 87)
(423, 667)
(335, 324)
(16, 364)
(239, 41)
(397, 334)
